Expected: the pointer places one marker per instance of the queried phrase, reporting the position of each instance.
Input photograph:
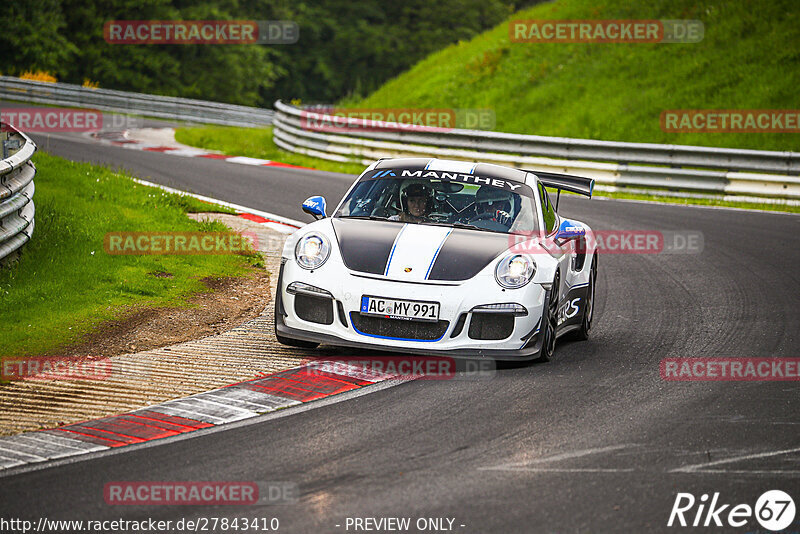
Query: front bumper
(346, 289)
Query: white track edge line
(238, 207)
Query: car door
(564, 254)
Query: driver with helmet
(493, 204)
(417, 203)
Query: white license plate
(409, 310)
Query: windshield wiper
(466, 226)
(461, 225)
(365, 217)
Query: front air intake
(398, 328)
(491, 326)
(313, 309)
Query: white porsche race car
(440, 257)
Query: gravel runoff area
(139, 379)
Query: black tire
(582, 334)
(549, 323)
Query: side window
(548, 213)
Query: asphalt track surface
(280, 191)
(589, 442)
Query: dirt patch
(167, 353)
(228, 303)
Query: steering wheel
(481, 217)
(489, 224)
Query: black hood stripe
(366, 245)
(465, 253)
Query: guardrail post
(9, 144)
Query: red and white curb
(282, 227)
(236, 402)
(121, 139)
(245, 400)
(281, 224)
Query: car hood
(416, 252)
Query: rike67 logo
(774, 510)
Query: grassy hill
(749, 59)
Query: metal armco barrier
(165, 107)
(16, 191)
(671, 170)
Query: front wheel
(549, 323)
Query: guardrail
(16, 191)
(672, 170)
(165, 107)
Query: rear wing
(565, 182)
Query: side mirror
(569, 230)
(315, 206)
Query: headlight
(311, 251)
(515, 270)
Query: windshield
(442, 198)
